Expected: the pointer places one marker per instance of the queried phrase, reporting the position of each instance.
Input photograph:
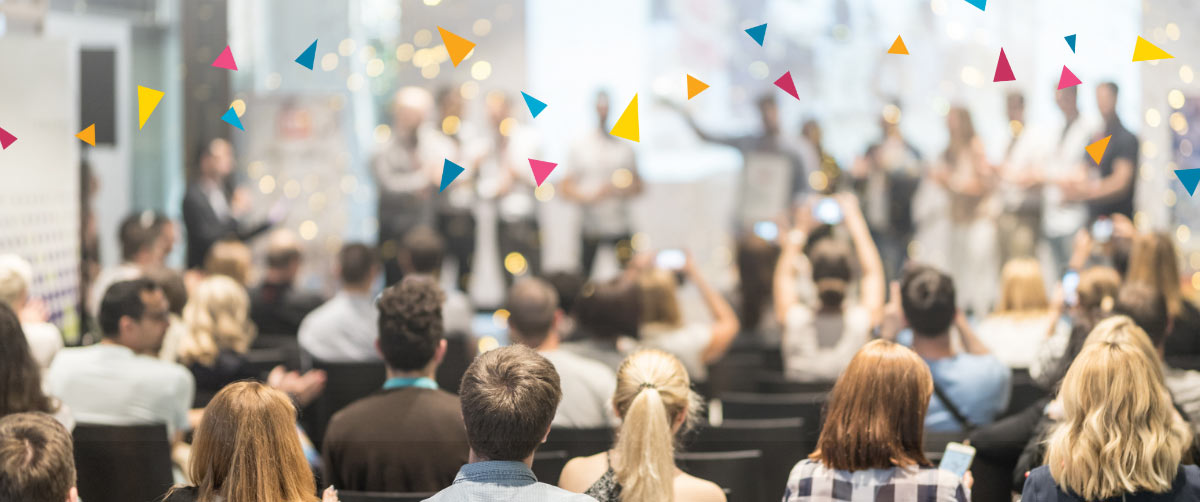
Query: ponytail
(646, 447)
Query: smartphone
(670, 259)
(828, 211)
(957, 458)
(766, 230)
(1102, 230)
(1070, 288)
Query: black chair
(345, 383)
(460, 351)
(776, 383)
(738, 472)
(747, 405)
(782, 441)
(579, 442)
(548, 465)
(729, 374)
(1025, 392)
(382, 496)
(128, 463)
(262, 361)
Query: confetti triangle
(1146, 51)
(1096, 150)
(1071, 42)
(450, 172)
(535, 105)
(457, 46)
(88, 135)
(309, 56)
(898, 47)
(147, 101)
(1067, 79)
(1190, 178)
(1004, 72)
(6, 138)
(627, 126)
(541, 169)
(231, 118)
(979, 4)
(758, 33)
(225, 60)
(695, 86)
(787, 84)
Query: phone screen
(1070, 287)
(957, 458)
(766, 230)
(1102, 230)
(670, 259)
(828, 211)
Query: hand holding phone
(766, 230)
(1070, 288)
(828, 211)
(957, 458)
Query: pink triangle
(1068, 79)
(6, 139)
(785, 82)
(541, 170)
(1004, 72)
(225, 60)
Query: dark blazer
(204, 228)
(1041, 487)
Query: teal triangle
(535, 106)
(759, 33)
(309, 56)
(232, 119)
(1071, 42)
(450, 171)
(979, 4)
(1190, 178)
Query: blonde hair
(1021, 288)
(16, 275)
(1154, 262)
(660, 304)
(231, 259)
(653, 391)
(216, 319)
(1120, 433)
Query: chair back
(579, 442)
(548, 465)
(460, 351)
(344, 384)
(122, 463)
(782, 442)
(738, 472)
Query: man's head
(831, 271)
(532, 312)
(410, 106)
(134, 314)
(357, 266)
(927, 297)
(602, 107)
(215, 159)
(146, 237)
(410, 325)
(283, 256)
(1106, 100)
(1148, 309)
(422, 252)
(16, 275)
(36, 459)
(1068, 100)
(509, 396)
(768, 113)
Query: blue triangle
(450, 171)
(1071, 42)
(535, 106)
(1190, 178)
(309, 56)
(232, 119)
(759, 33)
(979, 4)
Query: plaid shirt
(810, 481)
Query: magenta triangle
(787, 84)
(1068, 79)
(1004, 72)
(541, 170)
(6, 138)
(225, 60)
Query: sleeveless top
(606, 489)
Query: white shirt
(108, 384)
(593, 159)
(343, 329)
(587, 390)
(1014, 339)
(105, 279)
(1060, 218)
(44, 342)
(805, 358)
(686, 343)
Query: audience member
(568, 286)
(1092, 302)
(821, 337)
(508, 400)
(872, 439)
(176, 291)
(218, 336)
(345, 328)
(588, 386)
(1022, 317)
(401, 171)
(971, 387)
(756, 258)
(229, 258)
(212, 209)
(1148, 310)
(44, 339)
(36, 460)
(606, 321)
(246, 448)
(1020, 199)
(1113, 400)
(818, 160)
(276, 306)
(408, 437)
(1153, 260)
(20, 377)
(1062, 218)
(656, 404)
(448, 136)
(886, 178)
(146, 239)
(422, 254)
(502, 161)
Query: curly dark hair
(410, 322)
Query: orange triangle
(457, 46)
(898, 47)
(695, 86)
(88, 135)
(1096, 150)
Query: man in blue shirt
(976, 383)
(509, 396)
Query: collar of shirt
(511, 472)
(420, 382)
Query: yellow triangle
(1096, 150)
(627, 126)
(88, 135)
(695, 86)
(147, 101)
(1146, 51)
(898, 46)
(457, 46)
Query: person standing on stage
(213, 208)
(402, 173)
(454, 208)
(504, 178)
